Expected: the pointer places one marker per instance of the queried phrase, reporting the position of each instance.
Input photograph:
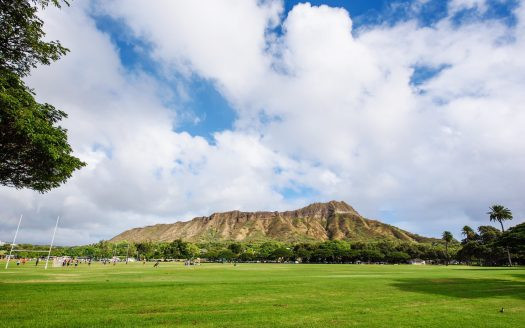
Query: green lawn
(261, 295)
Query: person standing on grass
(156, 264)
(37, 260)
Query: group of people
(65, 262)
(106, 261)
(23, 261)
(68, 262)
(73, 262)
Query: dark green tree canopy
(488, 234)
(34, 152)
(515, 239)
(447, 236)
(469, 233)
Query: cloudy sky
(411, 111)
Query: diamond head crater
(334, 220)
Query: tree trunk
(508, 255)
(508, 252)
(446, 250)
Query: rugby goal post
(37, 251)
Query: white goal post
(36, 251)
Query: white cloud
(455, 6)
(342, 117)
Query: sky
(411, 111)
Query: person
(76, 263)
(17, 262)
(89, 262)
(37, 260)
(156, 264)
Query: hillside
(315, 222)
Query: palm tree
(470, 236)
(468, 232)
(500, 213)
(447, 237)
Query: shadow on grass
(519, 276)
(464, 288)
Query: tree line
(488, 247)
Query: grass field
(261, 295)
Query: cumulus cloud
(140, 171)
(321, 106)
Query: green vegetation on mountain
(316, 222)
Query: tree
(21, 34)
(281, 253)
(236, 248)
(469, 233)
(447, 237)
(247, 255)
(190, 251)
(500, 213)
(371, 255)
(303, 252)
(226, 254)
(323, 254)
(514, 238)
(489, 250)
(398, 257)
(34, 152)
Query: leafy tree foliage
(514, 240)
(447, 238)
(500, 213)
(34, 152)
(484, 247)
(21, 34)
(468, 232)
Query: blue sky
(204, 111)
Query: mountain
(316, 222)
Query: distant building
(417, 262)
